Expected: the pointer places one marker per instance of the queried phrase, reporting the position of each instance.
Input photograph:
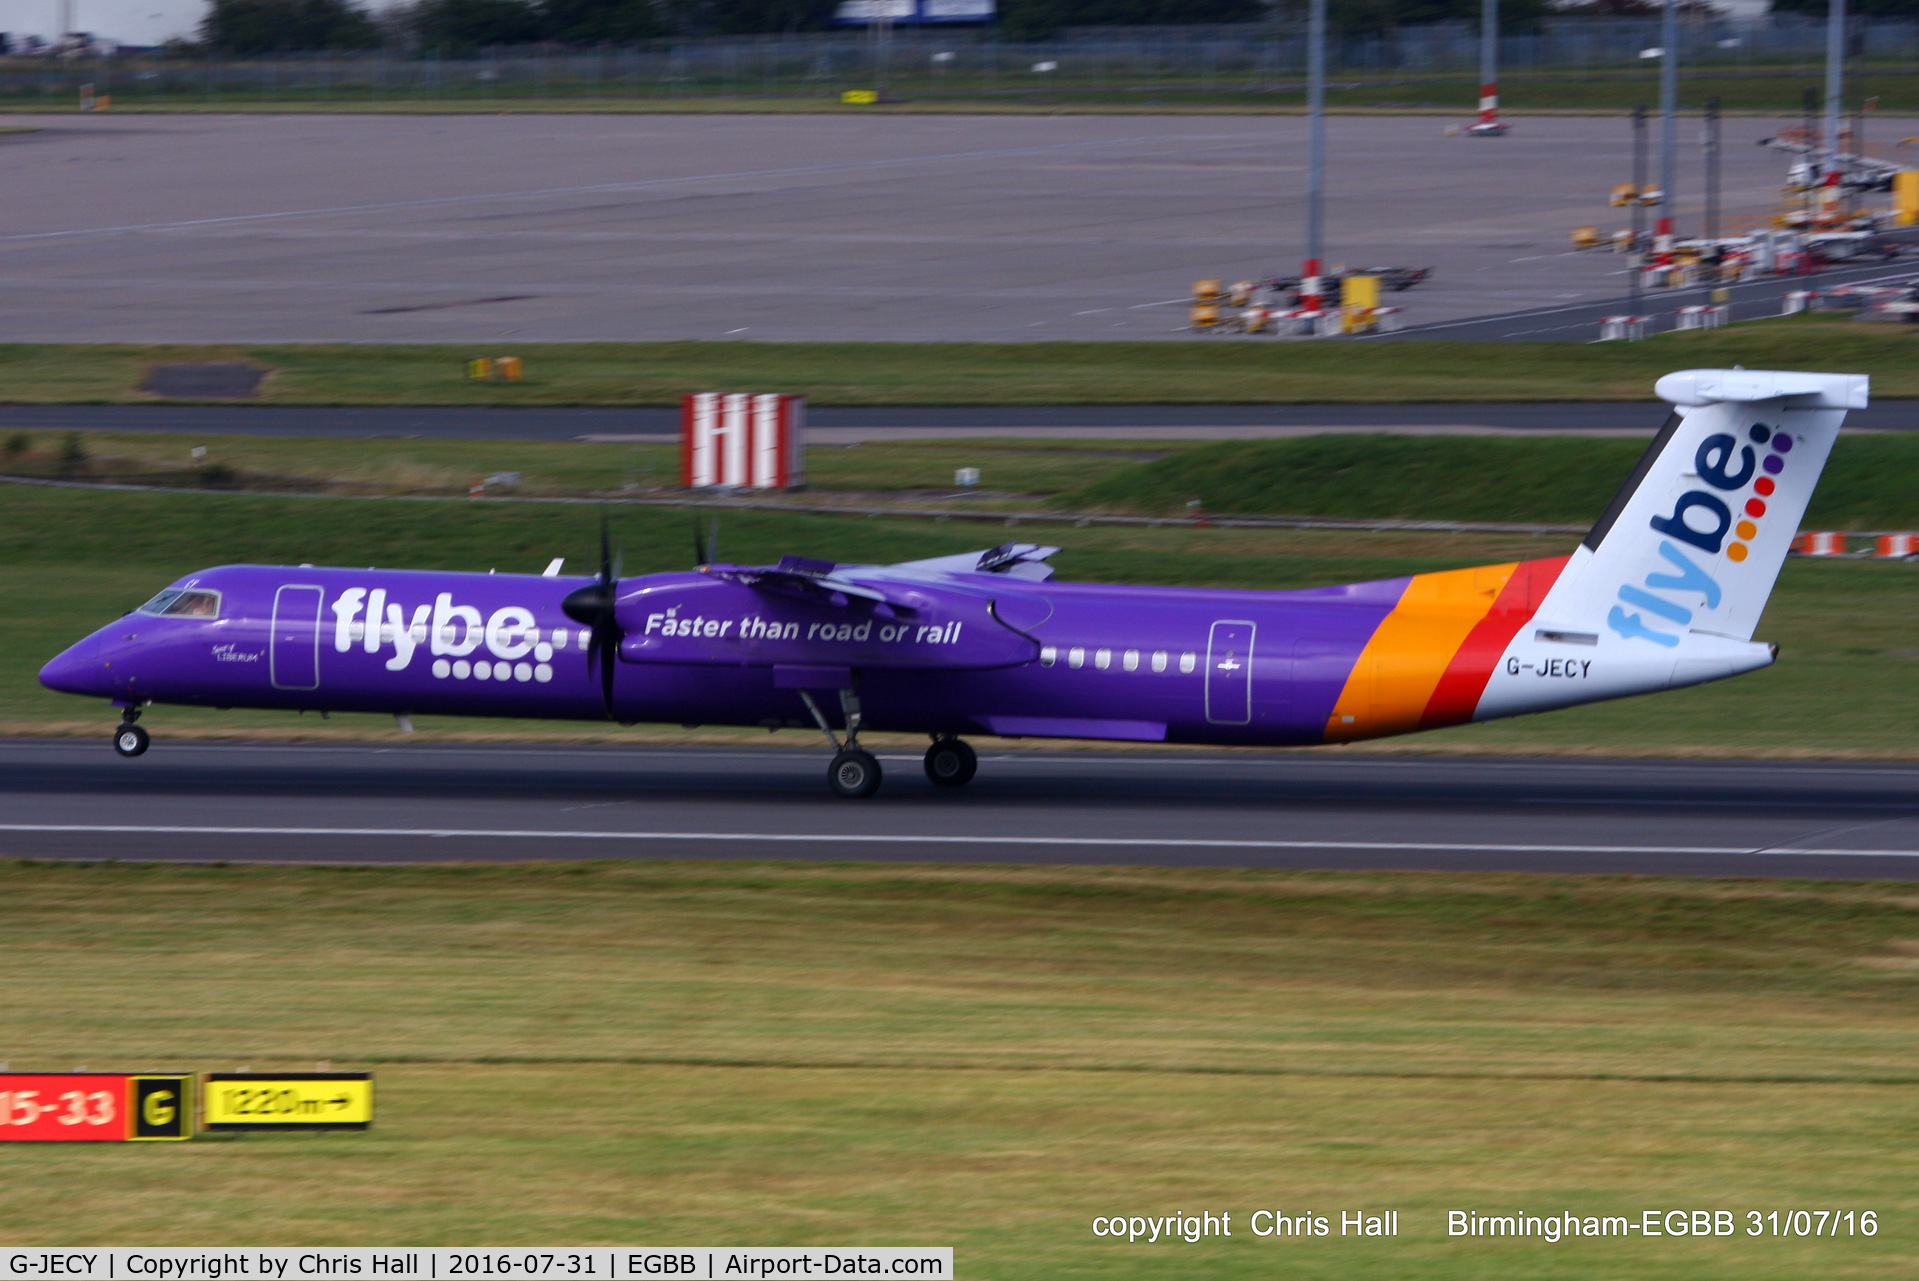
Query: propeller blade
(594, 607)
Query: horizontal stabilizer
(1692, 387)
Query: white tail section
(1670, 583)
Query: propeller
(592, 607)
(706, 542)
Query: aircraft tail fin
(1694, 540)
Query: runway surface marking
(917, 838)
(644, 184)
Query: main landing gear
(130, 739)
(855, 772)
(951, 762)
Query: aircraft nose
(76, 670)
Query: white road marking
(921, 839)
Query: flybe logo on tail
(1702, 520)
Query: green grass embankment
(988, 1058)
(1871, 482)
(1214, 371)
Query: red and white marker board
(94, 1107)
(1820, 543)
(742, 441)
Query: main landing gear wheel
(951, 763)
(854, 774)
(130, 740)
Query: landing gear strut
(130, 739)
(854, 773)
(950, 762)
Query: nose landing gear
(130, 739)
(950, 762)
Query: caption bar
(598, 1263)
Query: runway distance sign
(94, 1107)
(286, 1101)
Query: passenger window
(1076, 657)
(193, 605)
(1048, 656)
(1103, 659)
(1131, 661)
(1159, 660)
(1188, 661)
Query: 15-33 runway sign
(97, 1107)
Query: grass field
(70, 561)
(988, 1058)
(1213, 371)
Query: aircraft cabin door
(294, 645)
(1229, 674)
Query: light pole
(1638, 206)
(1711, 140)
(1309, 295)
(1835, 78)
(1668, 133)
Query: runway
(373, 804)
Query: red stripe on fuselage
(1458, 691)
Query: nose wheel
(951, 762)
(129, 739)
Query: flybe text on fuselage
(450, 632)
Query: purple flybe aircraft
(1665, 591)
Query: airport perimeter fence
(1111, 63)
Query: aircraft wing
(815, 581)
(1011, 560)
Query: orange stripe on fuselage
(1429, 660)
(1458, 691)
(1394, 679)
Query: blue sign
(913, 13)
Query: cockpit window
(175, 603)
